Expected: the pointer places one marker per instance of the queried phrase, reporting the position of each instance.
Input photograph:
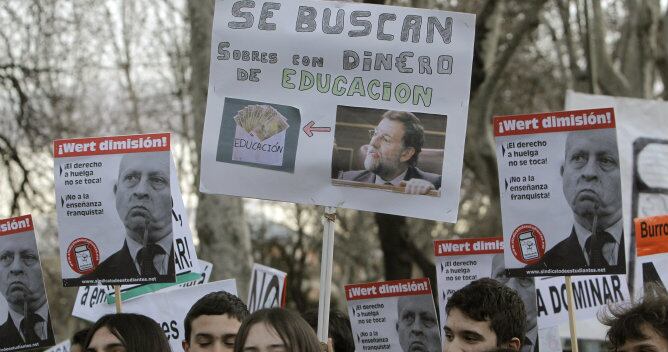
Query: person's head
(484, 315)
(143, 196)
(590, 176)
(212, 322)
(78, 341)
(417, 325)
(340, 332)
(639, 327)
(126, 332)
(524, 286)
(275, 329)
(20, 273)
(395, 144)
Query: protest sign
(167, 308)
(25, 321)
(61, 347)
(296, 105)
(121, 218)
(94, 301)
(186, 279)
(458, 262)
(559, 183)
(643, 146)
(590, 295)
(266, 289)
(382, 315)
(652, 252)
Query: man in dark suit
(592, 188)
(143, 202)
(393, 153)
(28, 322)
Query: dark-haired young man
(78, 341)
(641, 327)
(340, 332)
(212, 323)
(484, 315)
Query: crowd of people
(482, 316)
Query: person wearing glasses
(417, 325)
(526, 289)
(144, 205)
(27, 323)
(392, 155)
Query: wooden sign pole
(118, 300)
(571, 314)
(326, 263)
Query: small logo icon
(527, 244)
(83, 255)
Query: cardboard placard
(643, 146)
(267, 288)
(591, 294)
(119, 204)
(25, 320)
(560, 182)
(298, 93)
(652, 252)
(92, 302)
(383, 314)
(458, 262)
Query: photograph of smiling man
(389, 150)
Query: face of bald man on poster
(20, 273)
(143, 196)
(417, 325)
(590, 176)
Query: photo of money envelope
(259, 134)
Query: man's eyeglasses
(383, 137)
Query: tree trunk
(393, 235)
(221, 223)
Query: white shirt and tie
(395, 181)
(610, 250)
(160, 261)
(41, 327)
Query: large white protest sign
(25, 321)
(559, 182)
(94, 301)
(167, 308)
(591, 294)
(61, 347)
(643, 146)
(458, 262)
(266, 289)
(298, 92)
(652, 252)
(121, 218)
(383, 314)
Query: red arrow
(309, 129)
